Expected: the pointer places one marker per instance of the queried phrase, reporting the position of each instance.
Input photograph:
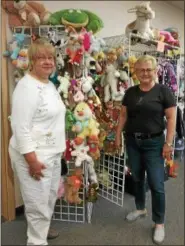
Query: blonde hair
(146, 58)
(37, 46)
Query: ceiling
(178, 4)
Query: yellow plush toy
(86, 124)
(131, 61)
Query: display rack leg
(89, 205)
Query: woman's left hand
(167, 152)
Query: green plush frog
(77, 18)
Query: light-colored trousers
(39, 196)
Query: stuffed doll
(72, 185)
(86, 125)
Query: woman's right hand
(35, 169)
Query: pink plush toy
(61, 189)
(169, 38)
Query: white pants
(39, 196)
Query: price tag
(160, 46)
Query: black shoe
(52, 234)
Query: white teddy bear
(81, 155)
(64, 86)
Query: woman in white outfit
(38, 141)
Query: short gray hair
(146, 58)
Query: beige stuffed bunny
(32, 13)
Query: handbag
(64, 167)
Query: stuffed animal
(94, 151)
(69, 120)
(67, 153)
(61, 188)
(87, 86)
(59, 61)
(32, 13)
(18, 74)
(173, 166)
(92, 195)
(14, 19)
(75, 55)
(141, 26)
(53, 78)
(97, 45)
(64, 86)
(78, 95)
(111, 56)
(80, 152)
(22, 61)
(72, 185)
(14, 46)
(109, 82)
(77, 19)
(86, 125)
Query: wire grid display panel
(111, 177)
(71, 212)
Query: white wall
(115, 17)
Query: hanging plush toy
(80, 152)
(15, 45)
(69, 120)
(64, 86)
(22, 61)
(86, 125)
(109, 82)
(72, 185)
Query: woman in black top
(142, 116)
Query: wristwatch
(169, 144)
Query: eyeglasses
(148, 70)
(44, 58)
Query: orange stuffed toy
(72, 185)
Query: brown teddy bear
(72, 185)
(26, 13)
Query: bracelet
(169, 144)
